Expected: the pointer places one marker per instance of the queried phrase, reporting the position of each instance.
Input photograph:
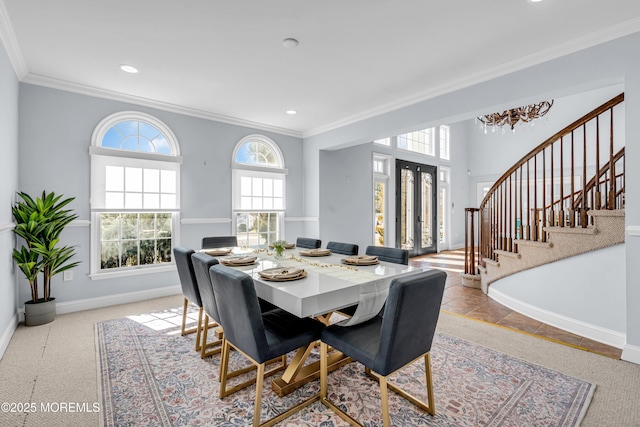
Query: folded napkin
(315, 252)
(217, 251)
(239, 260)
(361, 259)
(281, 273)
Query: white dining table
(328, 286)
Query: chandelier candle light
(514, 116)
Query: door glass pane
(427, 206)
(407, 209)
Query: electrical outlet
(67, 275)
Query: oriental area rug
(150, 375)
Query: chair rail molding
(633, 230)
(7, 227)
(301, 219)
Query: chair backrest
(308, 243)
(219, 242)
(409, 319)
(343, 248)
(201, 265)
(395, 255)
(240, 314)
(186, 274)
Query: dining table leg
(298, 374)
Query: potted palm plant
(39, 223)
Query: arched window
(259, 191)
(135, 200)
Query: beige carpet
(51, 370)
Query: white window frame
(240, 170)
(429, 145)
(444, 183)
(445, 142)
(384, 178)
(102, 157)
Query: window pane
(163, 226)
(114, 178)
(151, 181)
(130, 143)
(168, 201)
(148, 131)
(245, 203)
(267, 187)
(163, 250)
(114, 200)
(256, 189)
(110, 255)
(168, 181)
(147, 252)
(109, 227)
(129, 256)
(162, 146)
(256, 203)
(267, 203)
(278, 188)
(112, 139)
(147, 225)
(133, 200)
(129, 226)
(379, 202)
(151, 201)
(134, 135)
(133, 179)
(245, 186)
(278, 204)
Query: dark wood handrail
(523, 202)
(572, 127)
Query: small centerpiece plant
(279, 246)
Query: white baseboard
(631, 353)
(106, 301)
(596, 333)
(7, 334)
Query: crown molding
(8, 38)
(562, 49)
(52, 83)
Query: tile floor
(472, 303)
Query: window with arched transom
(259, 191)
(135, 198)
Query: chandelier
(514, 116)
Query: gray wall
(8, 186)
(55, 132)
(611, 63)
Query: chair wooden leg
(384, 400)
(430, 397)
(199, 330)
(258, 405)
(224, 363)
(205, 345)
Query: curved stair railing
(550, 187)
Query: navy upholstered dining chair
(190, 290)
(219, 242)
(395, 255)
(343, 248)
(397, 337)
(260, 337)
(308, 243)
(201, 264)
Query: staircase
(563, 198)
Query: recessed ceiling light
(128, 69)
(534, 1)
(292, 112)
(290, 42)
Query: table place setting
(361, 260)
(217, 251)
(282, 274)
(240, 260)
(314, 252)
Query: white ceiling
(225, 60)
